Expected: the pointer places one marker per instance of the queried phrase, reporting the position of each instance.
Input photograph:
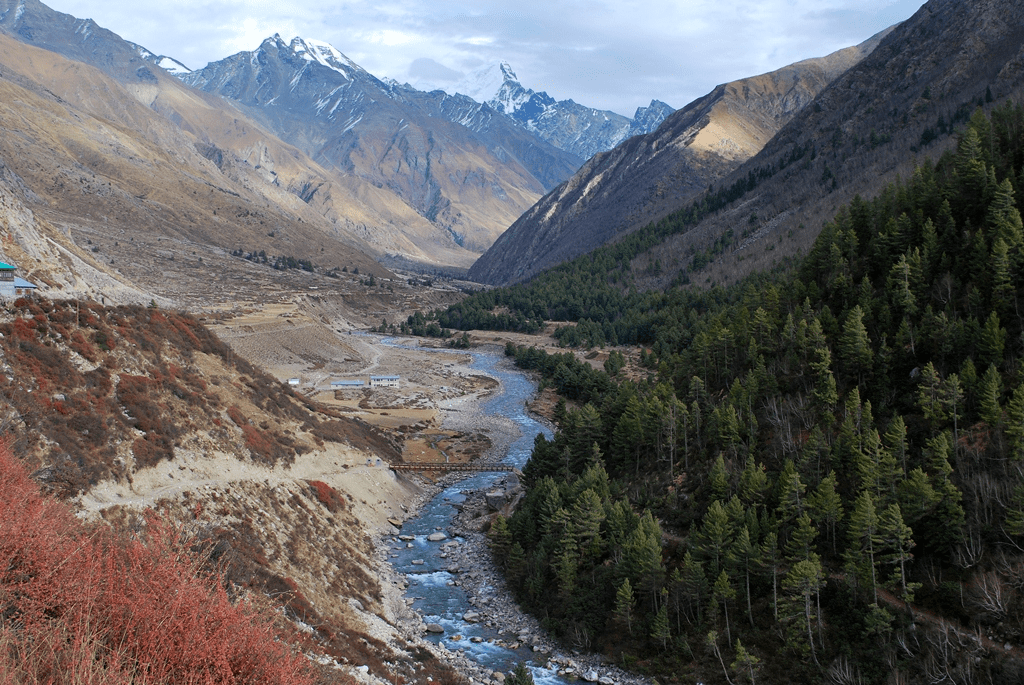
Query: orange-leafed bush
(85, 605)
(328, 496)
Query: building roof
(21, 283)
(385, 378)
(7, 267)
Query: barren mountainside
(648, 176)
(389, 216)
(464, 171)
(905, 102)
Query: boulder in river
(437, 537)
(435, 628)
(495, 499)
(471, 617)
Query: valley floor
(434, 415)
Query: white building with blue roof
(12, 285)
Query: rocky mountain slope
(87, 164)
(902, 104)
(583, 131)
(123, 410)
(466, 171)
(646, 177)
(390, 215)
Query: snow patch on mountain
(168, 64)
(323, 53)
(173, 66)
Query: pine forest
(821, 478)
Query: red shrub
(328, 496)
(97, 607)
(237, 416)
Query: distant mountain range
(424, 180)
(308, 155)
(584, 131)
(647, 176)
(793, 146)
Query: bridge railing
(479, 468)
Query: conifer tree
(772, 560)
(804, 581)
(801, 542)
(896, 541)
(745, 665)
(827, 506)
(895, 440)
(791, 493)
(992, 340)
(715, 537)
(587, 517)
(624, 603)
(929, 394)
(753, 482)
(500, 538)
(863, 533)
(825, 393)
(1003, 218)
(718, 479)
(744, 555)
(695, 585)
(854, 344)
(952, 398)
(989, 392)
(722, 591)
(1015, 424)
(660, 631)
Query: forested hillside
(822, 478)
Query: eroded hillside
(129, 408)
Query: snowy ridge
(582, 131)
(324, 54)
(168, 64)
(173, 66)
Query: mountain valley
(726, 308)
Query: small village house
(12, 285)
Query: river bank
(489, 628)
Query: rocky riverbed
(464, 547)
(446, 534)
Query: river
(435, 591)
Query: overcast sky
(609, 54)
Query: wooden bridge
(435, 466)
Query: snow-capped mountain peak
(481, 85)
(323, 53)
(484, 84)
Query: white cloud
(615, 54)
